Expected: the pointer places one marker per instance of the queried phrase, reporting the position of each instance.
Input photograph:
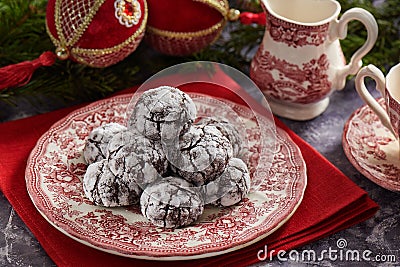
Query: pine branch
(22, 30)
(386, 51)
(235, 48)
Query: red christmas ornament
(97, 33)
(183, 27)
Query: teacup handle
(370, 24)
(374, 73)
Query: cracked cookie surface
(171, 202)
(231, 187)
(228, 130)
(202, 154)
(96, 144)
(162, 112)
(104, 188)
(133, 156)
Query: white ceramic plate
(372, 149)
(56, 167)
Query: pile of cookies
(167, 160)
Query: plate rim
(150, 256)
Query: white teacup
(300, 62)
(389, 88)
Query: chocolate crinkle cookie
(202, 154)
(171, 202)
(231, 187)
(135, 157)
(227, 129)
(96, 144)
(104, 188)
(162, 113)
(164, 162)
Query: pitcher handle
(370, 24)
(374, 73)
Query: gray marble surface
(380, 234)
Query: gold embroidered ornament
(183, 27)
(97, 33)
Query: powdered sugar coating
(162, 112)
(161, 140)
(231, 187)
(227, 129)
(104, 188)
(202, 154)
(171, 202)
(136, 157)
(96, 145)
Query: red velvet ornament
(183, 27)
(97, 33)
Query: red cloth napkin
(332, 202)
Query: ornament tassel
(20, 74)
(249, 18)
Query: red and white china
(389, 89)
(372, 148)
(300, 62)
(54, 182)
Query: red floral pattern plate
(56, 167)
(372, 149)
